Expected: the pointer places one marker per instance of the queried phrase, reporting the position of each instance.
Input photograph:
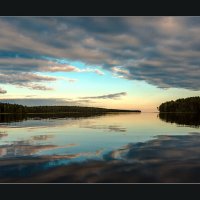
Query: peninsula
(15, 108)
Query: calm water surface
(32, 146)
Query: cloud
(32, 64)
(108, 96)
(120, 73)
(29, 80)
(47, 101)
(163, 51)
(36, 87)
(71, 80)
(21, 69)
(98, 72)
(2, 91)
(61, 68)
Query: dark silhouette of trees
(191, 104)
(12, 108)
(15, 108)
(16, 113)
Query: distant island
(185, 105)
(15, 108)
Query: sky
(111, 62)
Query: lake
(118, 147)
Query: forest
(190, 105)
(15, 108)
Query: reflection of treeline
(191, 104)
(7, 118)
(15, 108)
(186, 119)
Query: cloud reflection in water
(164, 159)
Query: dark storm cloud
(107, 96)
(163, 51)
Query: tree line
(190, 104)
(15, 108)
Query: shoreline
(128, 111)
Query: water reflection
(42, 137)
(185, 119)
(26, 148)
(8, 118)
(3, 134)
(164, 159)
(110, 128)
(84, 149)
